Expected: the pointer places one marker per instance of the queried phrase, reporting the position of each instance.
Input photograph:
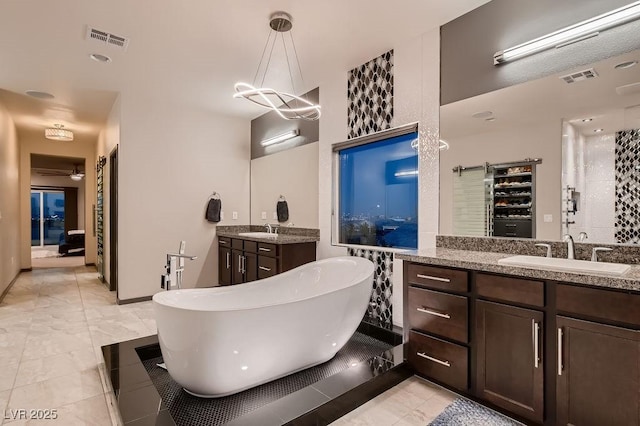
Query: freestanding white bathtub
(219, 341)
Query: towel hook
(215, 196)
(281, 198)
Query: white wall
(292, 173)
(171, 159)
(9, 201)
(65, 181)
(542, 140)
(108, 140)
(34, 142)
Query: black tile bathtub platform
(146, 394)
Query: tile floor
(53, 323)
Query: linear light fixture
(281, 138)
(405, 173)
(572, 34)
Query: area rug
(463, 412)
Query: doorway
(57, 211)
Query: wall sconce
(572, 34)
(280, 138)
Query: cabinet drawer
(267, 267)
(442, 361)
(237, 244)
(251, 246)
(224, 241)
(439, 278)
(438, 313)
(509, 289)
(265, 249)
(512, 228)
(596, 303)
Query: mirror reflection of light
(334, 344)
(406, 173)
(244, 368)
(353, 364)
(236, 352)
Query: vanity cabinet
(241, 260)
(437, 313)
(598, 349)
(510, 371)
(545, 352)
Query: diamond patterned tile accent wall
(380, 308)
(628, 186)
(370, 93)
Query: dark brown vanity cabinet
(598, 366)
(510, 371)
(437, 313)
(546, 352)
(241, 261)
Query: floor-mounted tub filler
(222, 340)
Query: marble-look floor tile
(41, 345)
(88, 412)
(8, 375)
(4, 400)
(58, 391)
(41, 369)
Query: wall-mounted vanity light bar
(572, 34)
(281, 137)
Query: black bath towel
(282, 208)
(213, 210)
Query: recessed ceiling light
(38, 94)
(100, 58)
(586, 120)
(598, 130)
(482, 114)
(625, 65)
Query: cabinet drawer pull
(559, 352)
(535, 329)
(510, 234)
(430, 312)
(264, 249)
(510, 225)
(429, 277)
(222, 242)
(265, 269)
(436, 360)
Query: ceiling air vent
(579, 76)
(109, 39)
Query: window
(377, 190)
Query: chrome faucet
(269, 228)
(582, 236)
(571, 251)
(166, 281)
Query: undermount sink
(566, 265)
(258, 234)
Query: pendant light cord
(264, 50)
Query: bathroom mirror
(290, 173)
(581, 127)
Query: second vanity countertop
(280, 239)
(488, 262)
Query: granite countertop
(488, 262)
(280, 239)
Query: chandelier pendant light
(286, 105)
(58, 133)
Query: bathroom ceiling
(189, 52)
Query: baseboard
(29, 269)
(90, 264)
(13, 281)
(134, 300)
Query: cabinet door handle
(429, 277)
(240, 263)
(265, 269)
(535, 329)
(436, 360)
(559, 351)
(430, 312)
(222, 242)
(244, 264)
(228, 260)
(264, 249)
